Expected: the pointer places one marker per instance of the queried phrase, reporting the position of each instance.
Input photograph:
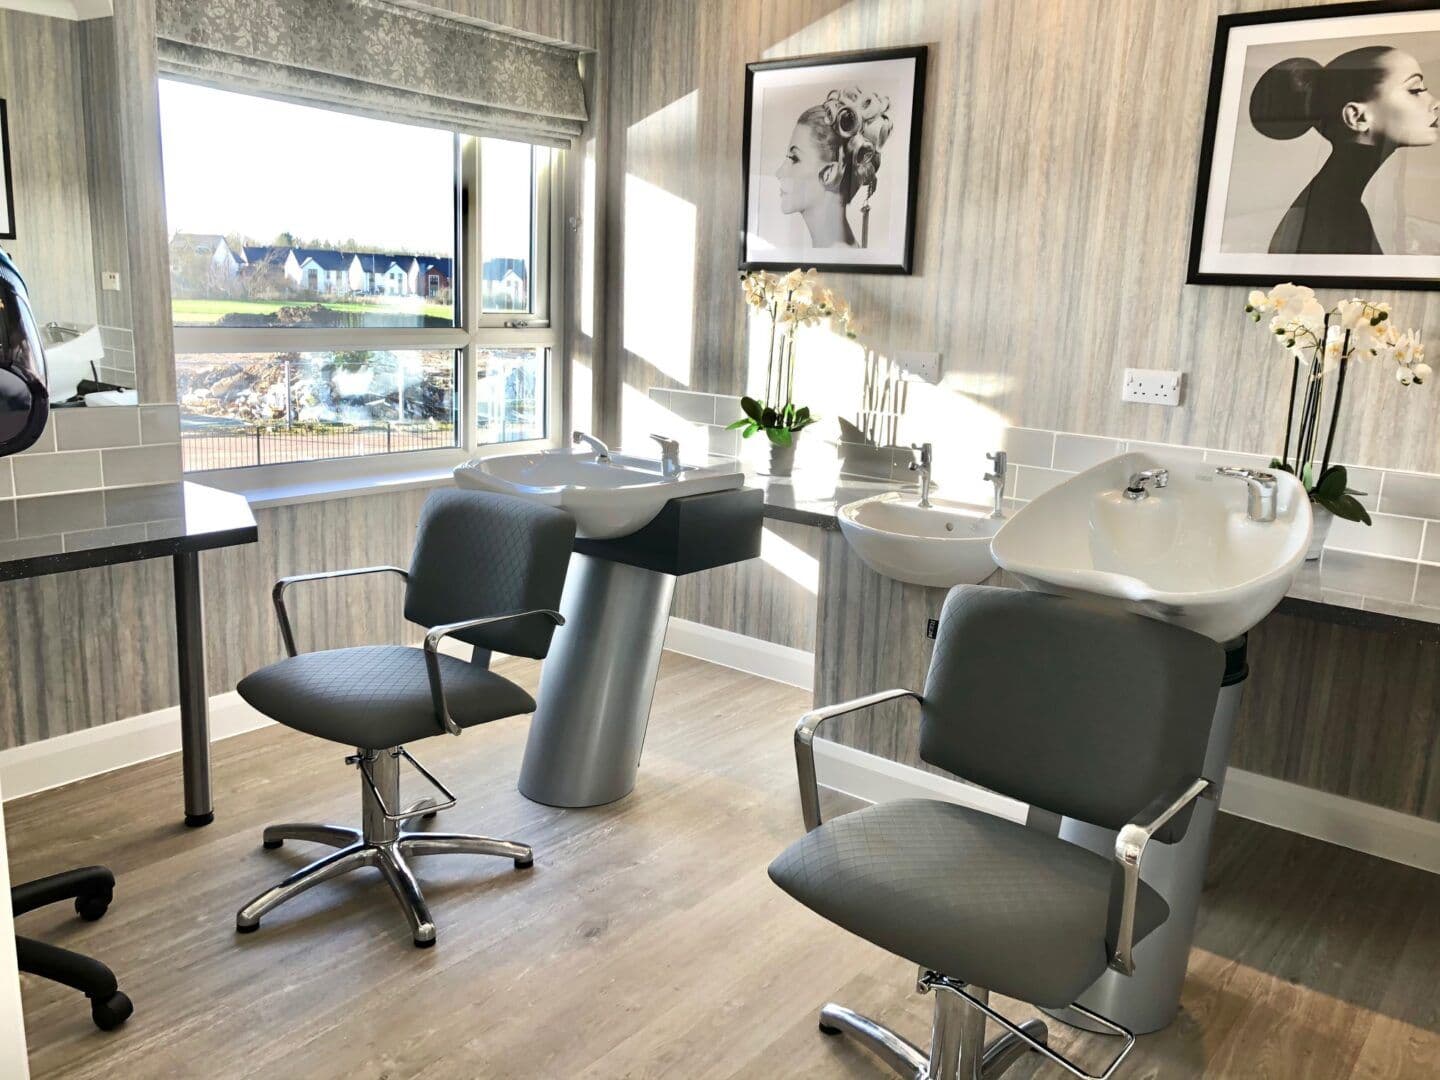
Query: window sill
(268, 494)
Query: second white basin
(607, 498)
(1187, 553)
(945, 544)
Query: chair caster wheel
(525, 864)
(826, 1029)
(110, 1014)
(425, 943)
(92, 906)
(242, 929)
(271, 845)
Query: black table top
(53, 534)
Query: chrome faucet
(1142, 482)
(669, 455)
(926, 452)
(1260, 488)
(997, 478)
(602, 452)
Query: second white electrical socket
(922, 366)
(1149, 387)
(110, 280)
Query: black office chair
(92, 888)
(1094, 715)
(488, 570)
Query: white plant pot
(1321, 520)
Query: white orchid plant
(1321, 340)
(791, 301)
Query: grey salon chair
(1089, 714)
(487, 571)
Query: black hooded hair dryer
(24, 397)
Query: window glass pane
(241, 409)
(510, 394)
(286, 215)
(507, 224)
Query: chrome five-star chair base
(958, 1050)
(381, 843)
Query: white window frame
(476, 330)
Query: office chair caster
(112, 1012)
(93, 905)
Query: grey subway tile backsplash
(45, 444)
(1414, 494)
(1430, 546)
(159, 423)
(1030, 483)
(93, 429)
(1396, 537)
(1427, 586)
(59, 514)
(1233, 460)
(1029, 446)
(696, 408)
(142, 465)
(43, 474)
(1386, 579)
(86, 539)
(7, 479)
(1076, 453)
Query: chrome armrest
(1130, 846)
(805, 751)
(277, 594)
(436, 634)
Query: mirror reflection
(68, 232)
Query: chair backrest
(479, 554)
(1085, 712)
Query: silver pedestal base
(595, 692)
(1148, 1000)
(380, 843)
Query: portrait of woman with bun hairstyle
(831, 151)
(1367, 103)
(1321, 152)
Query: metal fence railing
(230, 447)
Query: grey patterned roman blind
(377, 59)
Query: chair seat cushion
(961, 892)
(377, 696)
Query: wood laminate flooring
(647, 941)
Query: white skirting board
(25, 770)
(779, 663)
(1333, 818)
(39, 766)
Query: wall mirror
(58, 82)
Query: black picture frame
(1223, 29)
(7, 227)
(917, 53)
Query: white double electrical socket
(921, 366)
(1149, 387)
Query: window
(320, 299)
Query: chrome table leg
(332, 865)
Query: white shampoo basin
(607, 498)
(1187, 553)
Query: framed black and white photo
(831, 161)
(7, 192)
(1320, 160)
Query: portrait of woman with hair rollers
(834, 155)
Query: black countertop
(1354, 589)
(52, 534)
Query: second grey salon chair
(1095, 715)
(488, 571)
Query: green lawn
(209, 312)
